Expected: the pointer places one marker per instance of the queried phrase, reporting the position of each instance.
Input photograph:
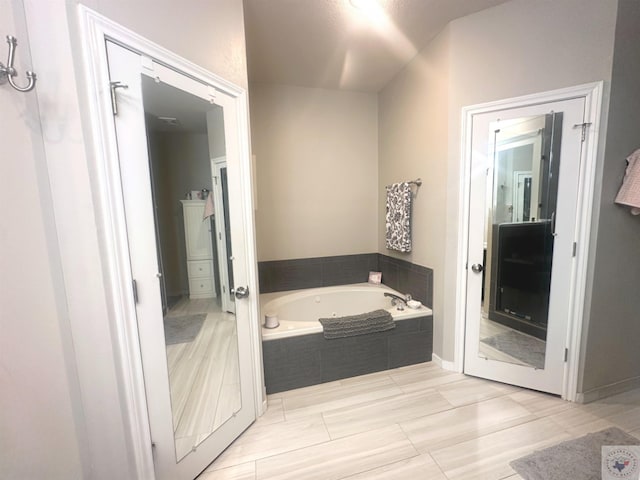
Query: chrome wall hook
(7, 73)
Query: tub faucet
(397, 298)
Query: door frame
(109, 207)
(217, 164)
(592, 93)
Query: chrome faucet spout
(395, 298)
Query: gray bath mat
(578, 459)
(352, 325)
(523, 347)
(182, 329)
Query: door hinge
(114, 101)
(153, 451)
(584, 126)
(575, 248)
(215, 179)
(566, 354)
(134, 285)
(224, 289)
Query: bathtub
(298, 311)
(296, 354)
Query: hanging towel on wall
(208, 207)
(398, 217)
(629, 193)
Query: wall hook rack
(8, 72)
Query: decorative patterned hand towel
(629, 193)
(352, 325)
(398, 217)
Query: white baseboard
(608, 390)
(444, 364)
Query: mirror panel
(521, 197)
(185, 133)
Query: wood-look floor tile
(339, 458)
(264, 440)
(245, 471)
(465, 423)
(300, 404)
(541, 404)
(375, 414)
(420, 467)
(622, 410)
(488, 457)
(470, 390)
(274, 413)
(578, 421)
(203, 374)
(423, 376)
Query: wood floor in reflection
(203, 374)
(416, 422)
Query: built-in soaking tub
(296, 354)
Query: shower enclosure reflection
(521, 197)
(187, 161)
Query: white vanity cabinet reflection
(198, 242)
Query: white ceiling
(163, 100)
(332, 44)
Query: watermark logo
(621, 461)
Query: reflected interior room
(188, 173)
(519, 232)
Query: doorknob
(240, 292)
(477, 268)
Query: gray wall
(612, 354)
(181, 164)
(413, 131)
(517, 48)
(316, 161)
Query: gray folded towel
(361, 324)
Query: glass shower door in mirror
(524, 177)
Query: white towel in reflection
(629, 193)
(208, 207)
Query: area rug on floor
(182, 329)
(578, 459)
(527, 349)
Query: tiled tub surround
(295, 274)
(296, 354)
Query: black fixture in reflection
(522, 252)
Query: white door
(197, 368)
(520, 271)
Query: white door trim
(592, 92)
(217, 164)
(95, 29)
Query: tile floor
(203, 374)
(417, 422)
